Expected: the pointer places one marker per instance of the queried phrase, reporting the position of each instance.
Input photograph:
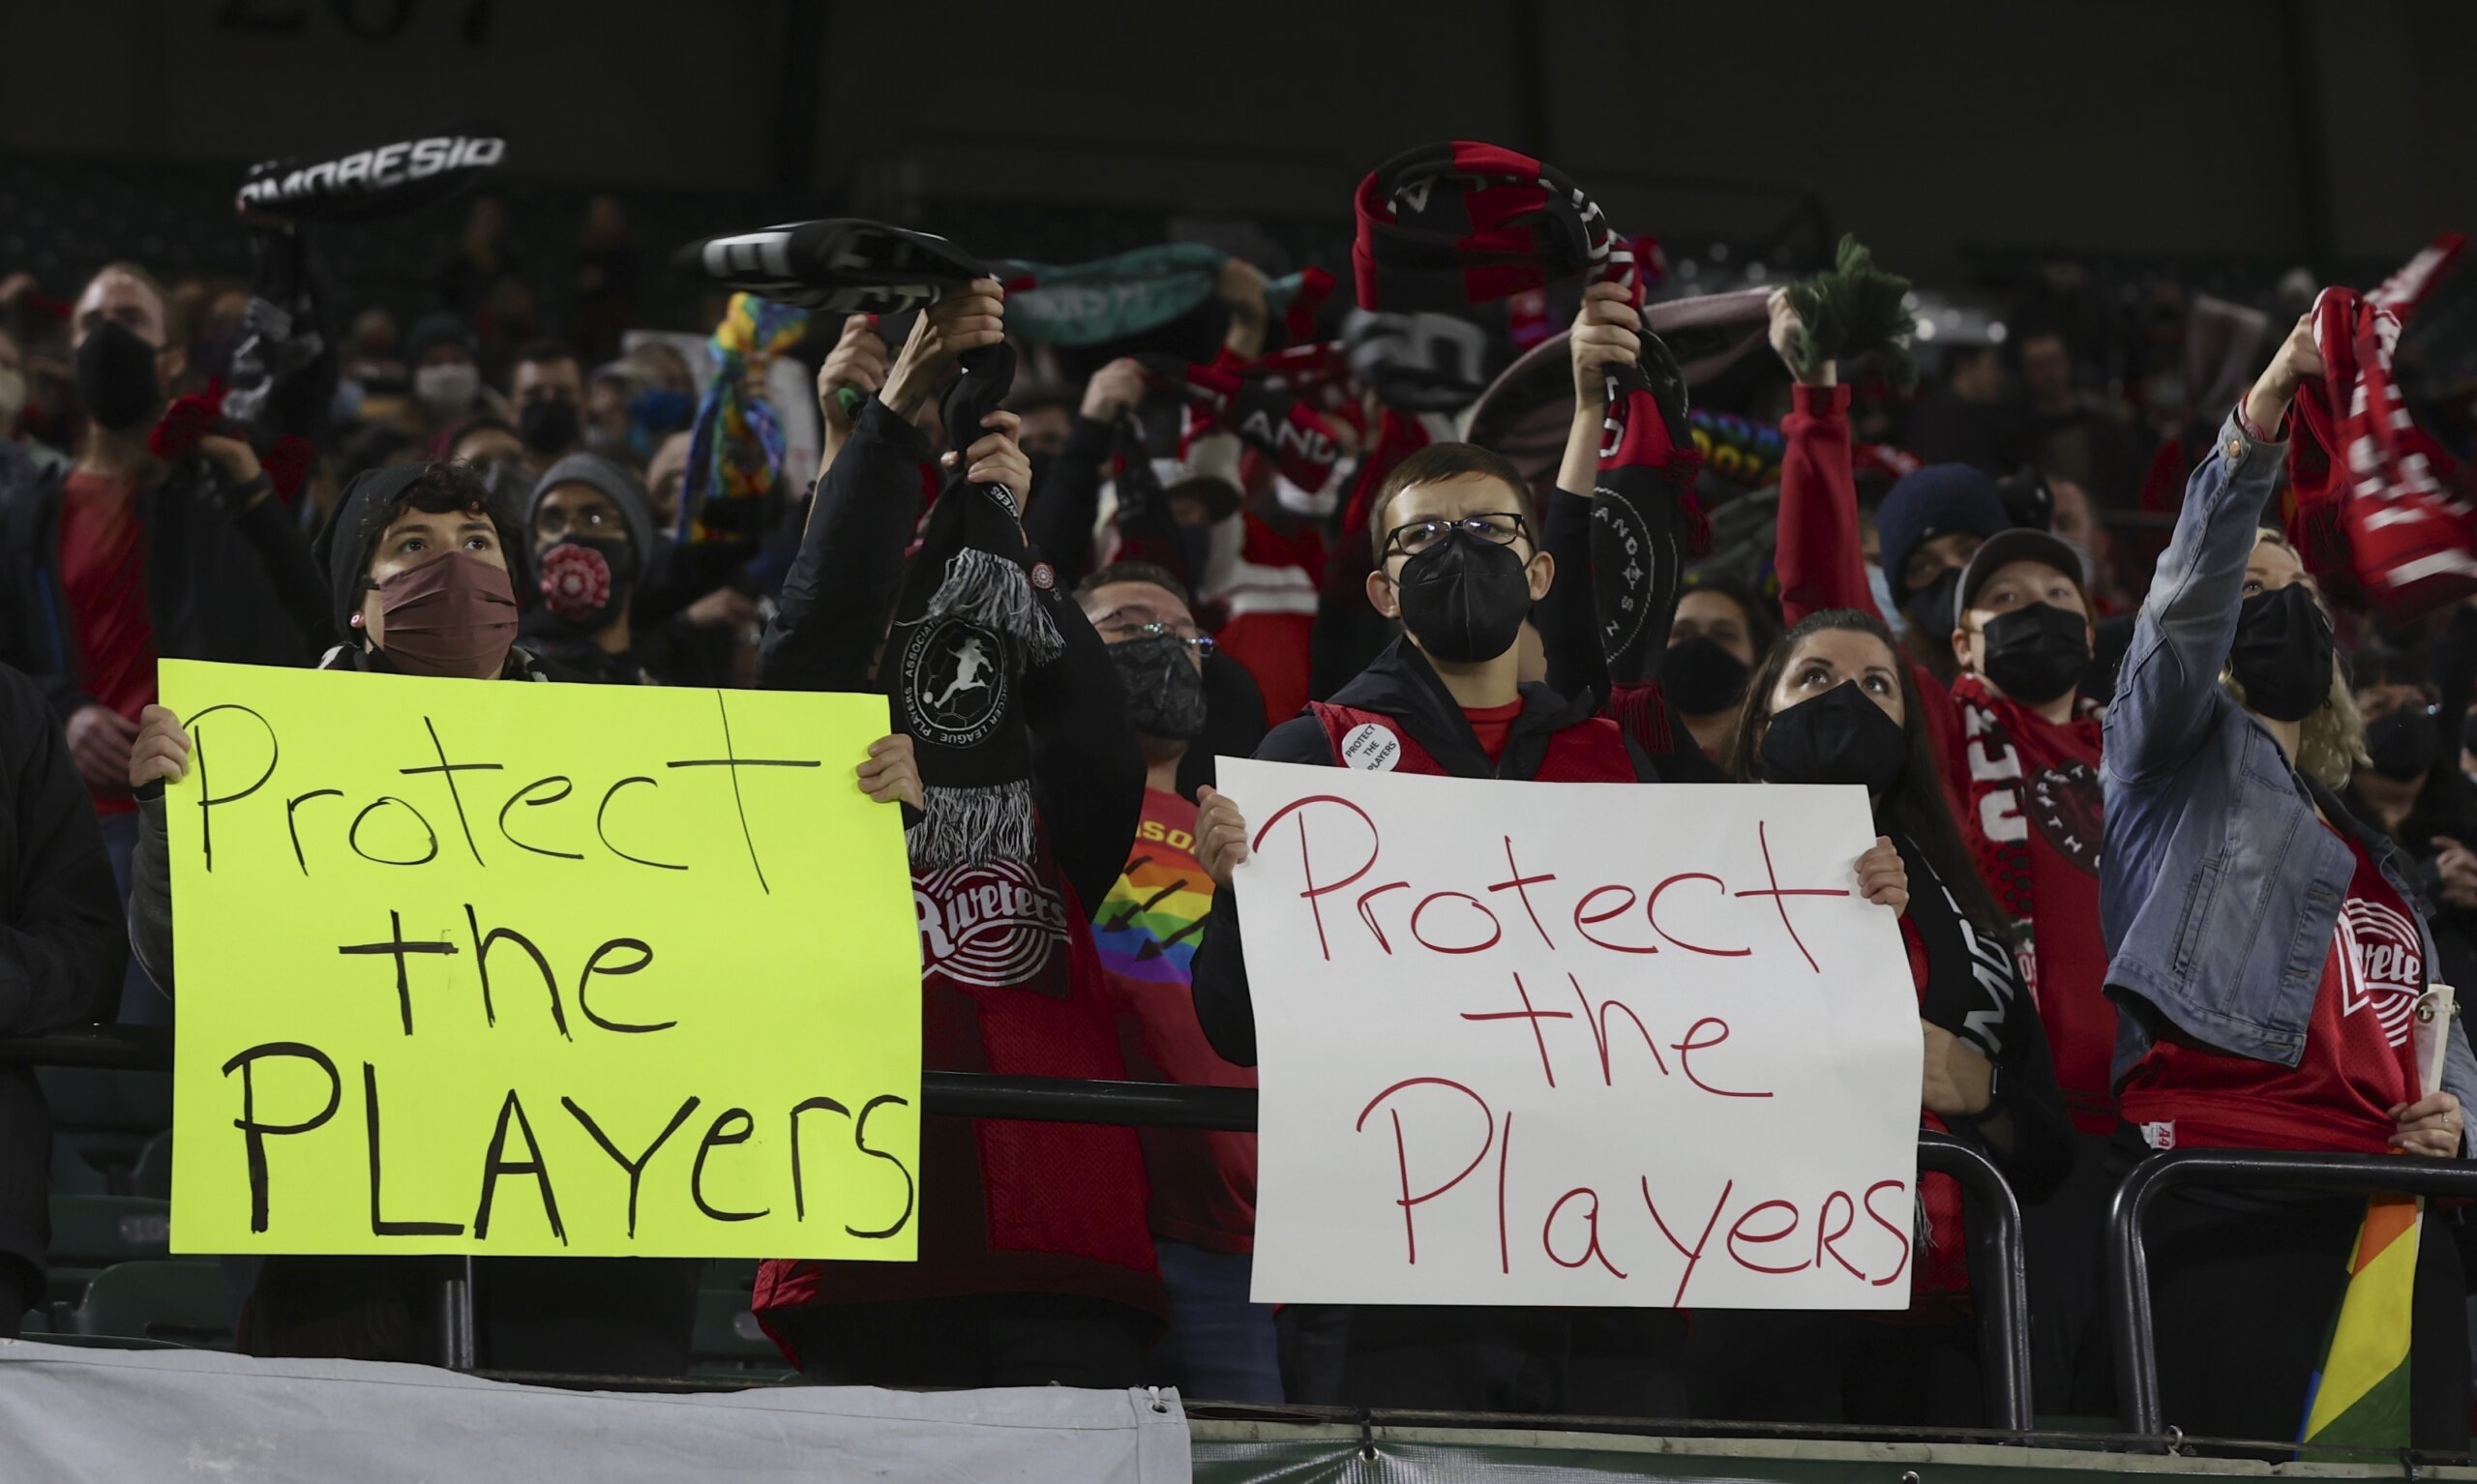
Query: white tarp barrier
(79, 1413)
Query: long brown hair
(1912, 808)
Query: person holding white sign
(2271, 956)
(1459, 566)
(1834, 703)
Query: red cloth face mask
(452, 615)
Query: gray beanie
(614, 480)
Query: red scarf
(2370, 486)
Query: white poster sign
(1575, 1044)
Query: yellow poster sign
(538, 969)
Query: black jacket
(1087, 774)
(1402, 685)
(225, 580)
(62, 942)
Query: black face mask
(2038, 652)
(116, 377)
(1929, 610)
(1839, 737)
(586, 579)
(1164, 689)
(547, 424)
(2282, 653)
(1702, 677)
(1464, 599)
(2403, 745)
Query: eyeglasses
(1498, 528)
(1189, 634)
(592, 521)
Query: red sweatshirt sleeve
(1819, 561)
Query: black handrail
(1999, 1269)
(2128, 1261)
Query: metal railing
(2128, 1261)
(1999, 1268)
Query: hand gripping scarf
(1451, 225)
(2370, 487)
(367, 184)
(731, 486)
(971, 616)
(837, 266)
(1300, 443)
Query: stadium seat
(153, 1175)
(107, 1115)
(100, 1231)
(729, 1346)
(183, 1303)
(71, 1174)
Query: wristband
(1994, 1101)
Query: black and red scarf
(839, 266)
(1301, 444)
(1451, 225)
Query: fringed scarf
(967, 625)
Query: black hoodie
(1402, 685)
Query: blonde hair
(2330, 742)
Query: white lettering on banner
(1573, 1044)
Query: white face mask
(13, 395)
(448, 387)
(1881, 588)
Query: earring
(354, 620)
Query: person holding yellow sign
(423, 562)
(1035, 1263)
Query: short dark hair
(2383, 664)
(1042, 396)
(444, 486)
(1136, 572)
(1442, 462)
(538, 352)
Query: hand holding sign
(1573, 1044)
(1221, 835)
(1882, 879)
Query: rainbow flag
(2359, 1396)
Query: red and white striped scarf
(2370, 487)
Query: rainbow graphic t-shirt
(1147, 923)
(1204, 1182)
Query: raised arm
(2164, 692)
(1067, 504)
(1607, 333)
(842, 584)
(1820, 561)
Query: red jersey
(1271, 593)
(1492, 725)
(1203, 1180)
(103, 575)
(2359, 1061)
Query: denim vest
(2220, 891)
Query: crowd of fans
(2178, 827)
